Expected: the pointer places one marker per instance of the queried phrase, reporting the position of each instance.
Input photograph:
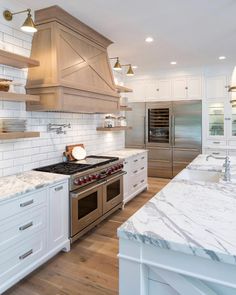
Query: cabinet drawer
(138, 180)
(16, 258)
(22, 204)
(215, 143)
(14, 230)
(215, 152)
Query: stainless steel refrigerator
(171, 131)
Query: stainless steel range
(96, 190)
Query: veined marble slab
(195, 218)
(125, 153)
(19, 184)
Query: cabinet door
(58, 214)
(164, 89)
(215, 119)
(151, 92)
(216, 87)
(180, 88)
(194, 85)
(230, 120)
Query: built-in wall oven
(90, 204)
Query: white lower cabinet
(135, 180)
(33, 228)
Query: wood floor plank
(91, 267)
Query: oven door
(113, 192)
(86, 207)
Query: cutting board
(68, 152)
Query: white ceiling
(192, 32)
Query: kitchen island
(183, 241)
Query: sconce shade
(130, 71)
(117, 65)
(29, 25)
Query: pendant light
(130, 71)
(232, 88)
(28, 25)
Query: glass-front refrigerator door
(216, 120)
(158, 124)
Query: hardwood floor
(91, 267)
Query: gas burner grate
(64, 168)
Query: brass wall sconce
(28, 25)
(118, 67)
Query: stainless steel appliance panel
(160, 162)
(158, 124)
(135, 138)
(182, 157)
(187, 124)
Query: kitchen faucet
(227, 176)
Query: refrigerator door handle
(145, 130)
(173, 130)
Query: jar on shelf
(121, 121)
(109, 121)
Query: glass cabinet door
(216, 122)
(233, 122)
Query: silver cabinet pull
(216, 142)
(134, 185)
(142, 168)
(27, 203)
(214, 153)
(23, 256)
(142, 181)
(135, 171)
(24, 227)
(59, 188)
(135, 160)
(143, 158)
(125, 163)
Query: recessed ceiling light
(173, 63)
(222, 57)
(149, 39)
(134, 67)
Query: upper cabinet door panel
(151, 90)
(164, 89)
(180, 88)
(194, 85)
(216, 87)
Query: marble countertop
(125, 153)
(195, 218)
(19, 184)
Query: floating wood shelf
(126, 109)
(16, 135)
(118, 128)
(10, 96)
(123, 89)
(16, 60)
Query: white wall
(22, 155)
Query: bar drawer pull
(142, 168)
(23, 256)
(143, 158)
(216, 142)
(135, 171)
(24, 227)
(26, 203)
(215, 153)
(134, 185)
(142, 181)
(135, 160)
(125, 163)
(59, 188)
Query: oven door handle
(117, 176)
(76, 195)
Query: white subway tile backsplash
(26, 154)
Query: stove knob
(89, 177)
(76, 181)
(109, 171)
(86, 179)
(116, 167)
(121, 166)
(94, 176)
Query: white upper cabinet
(139, 90)
(216, 87)
(164, 89)
(180, 88)
(151, 90)
(187, 88)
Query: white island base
(149, 270)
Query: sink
(197, 175)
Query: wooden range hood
(74, 73)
